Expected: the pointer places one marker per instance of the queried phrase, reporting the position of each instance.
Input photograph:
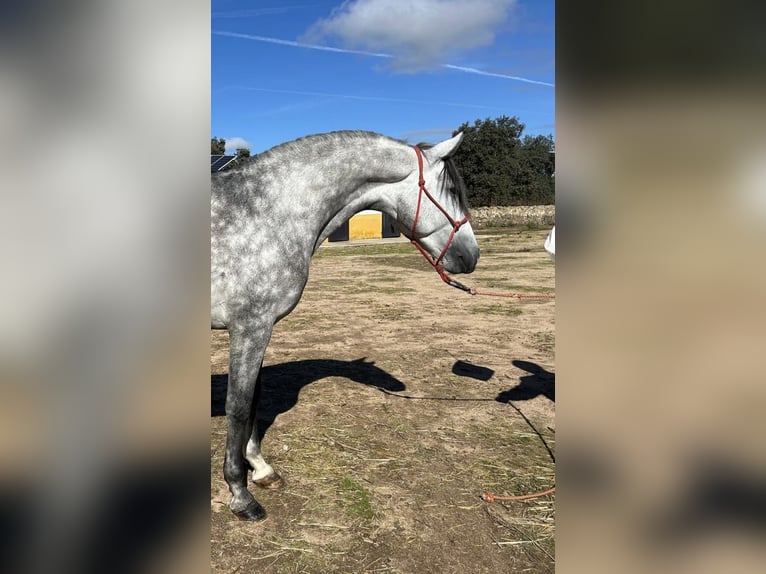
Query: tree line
(498, 166)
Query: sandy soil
(391, 403)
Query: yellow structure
(366, 225)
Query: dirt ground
(392, 402)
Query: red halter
(435, 262)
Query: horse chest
(267, 281)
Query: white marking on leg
(261, 469)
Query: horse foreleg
(263, 475)
(247, 344)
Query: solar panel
(218, 162)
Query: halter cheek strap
(435, 262)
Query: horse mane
(453, 182)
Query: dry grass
(385, 459)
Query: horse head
(437, 216)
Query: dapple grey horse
(271, 213)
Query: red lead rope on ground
(515, 295)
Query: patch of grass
(545, 342)
(398, 255)
(498, 435)
(500, 245)
(501, 249)
(506, 310)
(543, 265)
(498, 230)
(348, 287)
(396, 423)
(495, 283)
(403, 257)
(391, 313)
(391, 290)
(384, 278)
(356, 500)
(524, 465)
(356, 250)
(411, 261)
(303, 560)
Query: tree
(242, 153)
(536, 169)
(500, 169)
(217, 146)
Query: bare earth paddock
(392, 401)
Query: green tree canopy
(499, 168)
(217, 146)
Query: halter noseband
(435, 262)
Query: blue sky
(410, 69)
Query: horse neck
(336, 183)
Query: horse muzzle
(462, 255)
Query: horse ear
(445, 148)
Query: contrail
(367, 98)
(300, 44)
(372, 54)
(494, 75)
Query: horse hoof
(270, 482)
(253, 512)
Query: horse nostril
(466, 262)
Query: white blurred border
(105, 115)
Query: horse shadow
(282, 383)
(537, 382)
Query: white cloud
(304, 45)
(418, 33)
(233, 144)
